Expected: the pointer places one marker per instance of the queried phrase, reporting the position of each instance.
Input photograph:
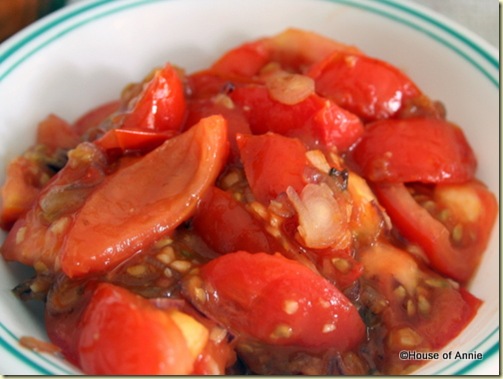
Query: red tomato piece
(315, 120)
(453, 250)
(120, 218)
(272, 163)
(123, 333)
(236, 122)
(54, 132)
(243, 61)
(24, 180)
(86, 221)
(226, 226)
(161, 106)
(371, 88)
(218, 354)
(415, 150)
(275, 301)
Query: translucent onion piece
(322, 220)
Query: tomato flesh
(415, 150)
(226, 226)
(366, 86)
(418, 225)
(122, 333)
(276, 301)
(126, 218)
(54, 132)
(272, 163)
(161, 106)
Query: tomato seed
(20, 235)
(423, 305)
(290, 306)
(181, 266)
(137, 270)
(282, 331)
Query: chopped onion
(322, 220)
(288, 88)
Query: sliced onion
(322, 220)
(288, 88)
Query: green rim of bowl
(424, 21)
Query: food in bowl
(284, 211)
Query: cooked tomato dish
(298, 207)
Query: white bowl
(84, 54)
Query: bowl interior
(83, 55)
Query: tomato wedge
(119, 219)
(453, 250)
(123, 333)
(275, 301)
(243, 61)
(104, 219)
(272, 163)
(161, 106)
(23, 183)
(226, 226)
(415, 150)
(368, 87)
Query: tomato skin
(105, 219)
(226, 226)
(132, 141)
(122, 333)
(119, 219)
(314, 120)
(276, 301)
(24, 180)
(243, 61)
(368, 87)
(415, 150)
(272, 163)
(416, 224)
(161, 106)
(287, 48)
